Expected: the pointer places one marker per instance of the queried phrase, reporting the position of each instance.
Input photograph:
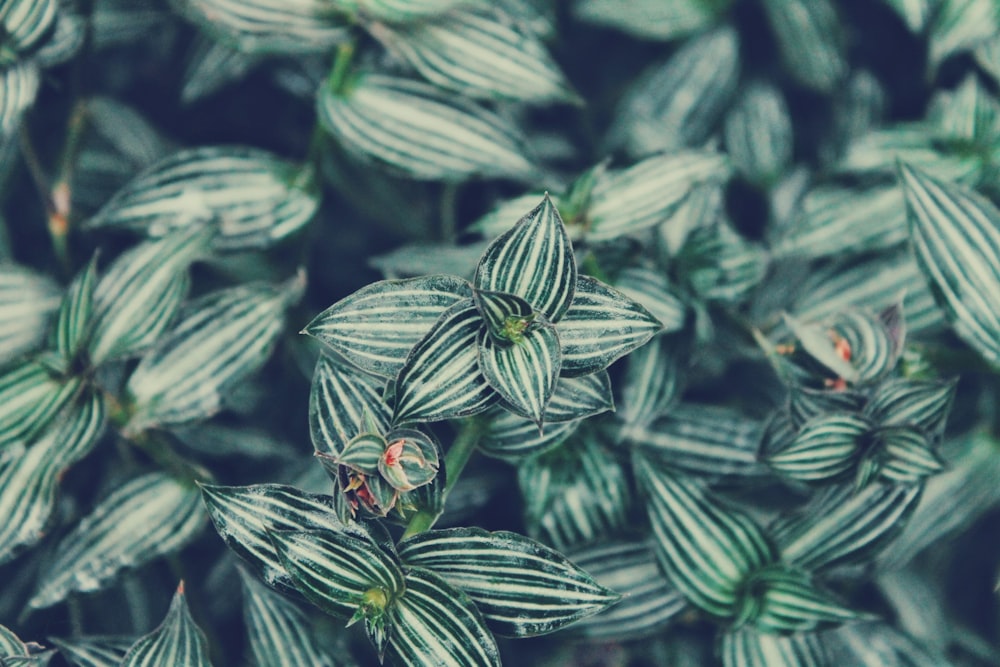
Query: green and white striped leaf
(254, 198)
(908, 456)
(679, 103)
(75, 313)
(779, 599)
(534, 261)
(576, 494)
(956, 238)
(652, 19)
(508, 212)
(923, 404)
(987, 56)
(213, 65)
(136, 299)
(834, 220)
(969, 115)
(376, 327)
(226, 336)
(825, 447)
(580, 397)
(93, 650)
(702, 439)
(149, 516)
(720, 265)
(27, 301)
(877, 153)
(506, 315)
(748, 647)
(19, 85)
(177, 641)
(806, 404)
(340, 402)
(524, 373)
(758, 133)
(440, 378)
(403, 11)
(26, 22)
(845, 525)
(31, 394)
(522, 587)
(653, 291)
(277, 629)
(10, 644)
(809, 35)
(959, 25)
(434, 623)
(363, 452)
(514, 438)
(648, 601)
(817, 342)
(269, 26)
(28, 482)
(879, 644)
(706, 549)
(244, 515)
(423, 132)
(479, 53)
(601, 326)
(334, 570)
(653, 381)
(628, 201)
(411, 459)
(702, 207)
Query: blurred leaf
(149, 516)
(212, 66)
(779, 599)
(956, 237)
(18, 87)
(403, 11)
(653, 381)
(748, 647)
(419, 130)
(27, 22)
(969, 115)
(877, 645)
(93, 650)
(340, 401)
(923, 404)
(75, 314)
(513, 438)
(27, 302)
(916, 144)
(720, 265)
(809, 35)
(653, 291)
(959, 25)
(652, 19)
(10, 644)
(177, 641)
(758, 133)
(31, 394)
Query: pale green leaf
(177, 641)
(758, 133)
(747, 647)
(960, 25)
(31, 394)
(652, 19)
(877, 152)
(652, 382)
(651, 289)
(10, 644)
(27, 302)
(19, 83)
(26, 22)
(779, 599)
(809, 35)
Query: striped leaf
(679, 103)
(424, 132)
(956, 237)
(648, 601)
(825, 447)
(987, 56)
(506, 316)
(177, 641)
(748, 647)
(75, 313)
(440, 378)
(523, 373)
(18, 87)
(805, 403)
(721, 264)
(844, 525)
(410, 460)
(880, 644)
(702, 207)
(907, 455)
(254, 197)
(534, 261)
(579, 397)
(376, 327)
(10, 644)
(508, 212)
(277, 629)
(968, 115)
(340, 401)
(244, 515)
(878, 151)
(822, 346)
(362, 453)
(334, 570)
(402, 11)
(575, 494)
(513, 438)
(601, 326)
(31, 394)
(434, 623)
(268, 26)
(653, 379)
(779, 599)
(702, 439)
(27, 22)
(706, 549)
(758, 133)
(652, 290)
(28, 483)
(808, 34)
(136, 299)
(147, 517)
(27, 301)
(93, 650)
(959, 25)
(522, 587)
(630, 200)
(211, 66)
(651, 19)
(479, 53)
(226, 336)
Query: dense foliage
(660, 332)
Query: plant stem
(454, 462)
(338, 78)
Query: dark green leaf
(177, 641)
(513, 438)
(758, 133)
(652, 383)
(779, 599)
(907, 456)
(805, 403)
(580, 397)
(825, 447)
(523, 373)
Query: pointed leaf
(440, 378)
(818, 343)
(94, 650)
(244, 515)
(514, 438)
(523, 373)
(923, 404)
(534, 261)
(31, 394)
(705, 548)
(376, 327)
(521, 587)
(19, 83)
(601, 325)
(808, 34)
(422, 131)
(436, 624)
(363, 452)
(907, 455)
(748, 647)
(959, 25)
(339, 402)
(779, 599)
(580, 397)
(10, 644)
(825, 447)
(878, 151)
(652, 383)
(177, 641)
(806, 403)
(402, 11)
(411, 459)
(76, 312)
(254, 198)
(651, 19)
(27, 301)
(506, 315)
(226, 336)
(956, 237)
(334, 570)
(136, 299)
(653, 291)
(26, 22)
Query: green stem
(338, 78)
(454, 462)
